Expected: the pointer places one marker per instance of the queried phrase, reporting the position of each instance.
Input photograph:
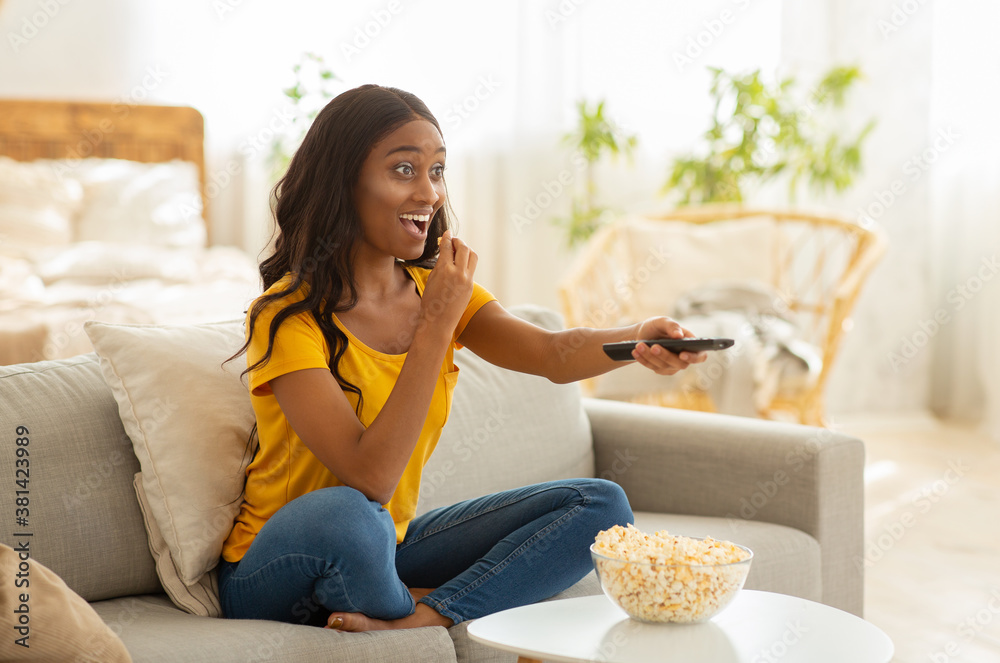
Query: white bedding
(109, 240)
(44, 303)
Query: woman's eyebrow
(411, 148)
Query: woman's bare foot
(423, 615)
(354, 622)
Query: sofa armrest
(677, 461)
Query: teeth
(416, 217)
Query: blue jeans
(334, 550)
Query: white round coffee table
(757, 626)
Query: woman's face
(400, 188)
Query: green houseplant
(594, 137)
(761, 130)
(311, 90)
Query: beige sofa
(793, 494)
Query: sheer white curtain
(965, 98)
(932, 310)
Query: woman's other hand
(660, 360)
(449, 285)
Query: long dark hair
(317, 220)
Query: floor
(932, 537)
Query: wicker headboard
(70, 129)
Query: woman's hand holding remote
(655, 358)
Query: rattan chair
(817, 263)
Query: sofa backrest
(507, 429)
(82, 515)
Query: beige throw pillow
(46, 621)
(201, 598)
(669, 258)
(189, 419)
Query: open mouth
(416, 224)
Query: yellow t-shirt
(284, 467)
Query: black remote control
(623, 351)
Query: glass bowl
(680, 593)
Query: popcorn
(663, 578)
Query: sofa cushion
(506, 430)
(786, 560)
(189, 418)
(83, 515)
(155, 631)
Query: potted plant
(311, 90)
(594, 137)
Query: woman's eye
(408, 170)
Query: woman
(349, 357)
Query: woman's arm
(372, 459)
(572, 354)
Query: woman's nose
(426, 191)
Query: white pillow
(200, 598)
(145, 203)
(37, 205)
(672, 257)
(18, 280)
(115, 262)
(189, 419)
